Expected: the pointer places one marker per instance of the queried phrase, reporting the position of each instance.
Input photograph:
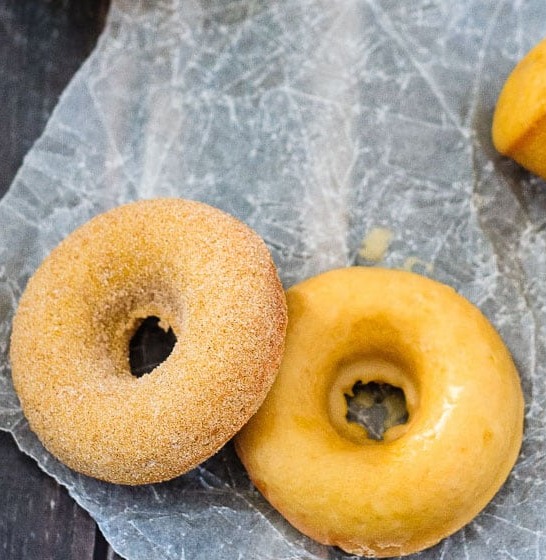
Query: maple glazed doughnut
(205, 275)
(429, 476)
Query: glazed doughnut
(429, 476)
(519, 121)
(205, 275)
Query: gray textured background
(314, 122)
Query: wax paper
(315, 122)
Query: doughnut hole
(372, 400)
(150, 345)
(377, 407)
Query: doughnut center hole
(377, 407)
(150, 345)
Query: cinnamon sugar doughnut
(205, 275)
(426, 478)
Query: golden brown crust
(428, 477)
(206, 275)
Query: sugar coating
(206, 275)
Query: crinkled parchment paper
(314, 122)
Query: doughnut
(519, 121)
(202, 273)
(428, 476)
